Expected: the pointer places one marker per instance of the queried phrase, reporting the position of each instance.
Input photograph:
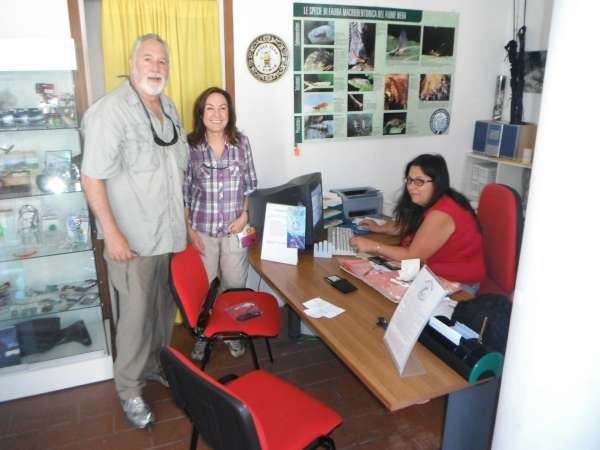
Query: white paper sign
(317, 308)
(274, 240)
(411, 316)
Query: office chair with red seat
(255, 411)
(500, 215)
(208, 313)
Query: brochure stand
(283, 233)
(410, 317)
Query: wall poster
(371, 72)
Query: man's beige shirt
(143, 180)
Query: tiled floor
(89, 417)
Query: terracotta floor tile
(171, 431)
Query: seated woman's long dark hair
(409, 215)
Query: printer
(360, 201)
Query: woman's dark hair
(409, 215)
(199, 133)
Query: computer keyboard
(340, 238)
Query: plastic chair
(211, 316)
(500, 215)
(255, 411)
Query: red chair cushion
(289, 418)
(265, 325)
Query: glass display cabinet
(52, 331)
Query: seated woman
(435, 223)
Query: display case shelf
(35, 193)
(8, 254)
(45, 127)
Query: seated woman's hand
(363, 245)
(369, 224)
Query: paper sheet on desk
(317, 307)
(384, 280)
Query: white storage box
(482, 173)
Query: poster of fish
(363, 72)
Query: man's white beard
(150, 89)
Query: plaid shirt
(214, 189)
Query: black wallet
(340, 284)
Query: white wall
(265, 110)
(550, 395)
(34, 18)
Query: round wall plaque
(439, 121)
(267, 57)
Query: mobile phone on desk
(341, 284)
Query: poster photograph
(363, 72)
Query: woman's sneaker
(236, 348)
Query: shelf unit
(53, 331)
(513, 173)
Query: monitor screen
(305, 190)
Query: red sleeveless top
(461, 257)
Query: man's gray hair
(148, 37)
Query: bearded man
(132, 173)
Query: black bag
(496, 308)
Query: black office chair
(252, 412)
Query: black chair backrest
(223, 421)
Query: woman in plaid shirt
(219, 177)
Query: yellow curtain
(191, 30)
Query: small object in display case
(40, 335)
(28, 224)
(18, 160)
(46, 91)
(52, 234)
(36, 117)
(10, 353)
(6, 225)
(7, 119)
(58, 173)
(15, 182)
(21, 118)
(30, 302)
(78, 227)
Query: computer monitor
(305, 190)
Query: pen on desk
(483, 325)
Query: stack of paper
(331, 199)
